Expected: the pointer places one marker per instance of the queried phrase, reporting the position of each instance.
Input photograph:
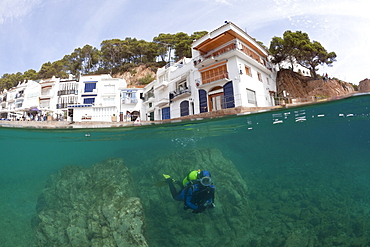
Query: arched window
(202, 101)
(184, 108)
(229, 101)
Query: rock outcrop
(138, 76)
(299, 86)
(227, 224)
(93, 206)
(364, 86)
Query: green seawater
(307, 168)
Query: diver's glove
(211, 205)
(200, 209)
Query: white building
(162, 97)
(228, 69)
(103, 98)
(130, 105)
(67, 94)
(91, 98)
(296, 68)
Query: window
(89, 100)
(251, 96)
(248, 71)
(163, 77)
(181, 86)
(166, 113)
(109, 88)
(108, 101)
(45, 103)
(184, 108)
(203, 101)
(229, 101)
(259, 76)
(89, 87)
(129, 97)
(151, 116)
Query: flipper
(163, 183)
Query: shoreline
(206, 115)
(93, 124)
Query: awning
(34, 109)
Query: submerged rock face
(90, 207)
(227, 224)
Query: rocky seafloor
(110, 204)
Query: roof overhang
(233, 32)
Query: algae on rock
(94, 206)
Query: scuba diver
(197, 191)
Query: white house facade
(228, 69)
(98, 99)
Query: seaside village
(228, 69)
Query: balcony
(61, 106)
(162, 102)
(215, 77)
(67, 92)
(179, 93)
(148, 96)
(234, 48)
(129, 101)
(19, 95)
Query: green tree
(165, 43)
(30, 74)
(56, 69)
(111, 54)
(90, 57)
(296, 47)
(73, 62)
(178, 44)
(289, 47)
(314, 54)
(10, 80)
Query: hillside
(299, 86)
(138, 76)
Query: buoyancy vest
(200, 194)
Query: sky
(33, 32)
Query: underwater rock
(228, 224)
(93, 206)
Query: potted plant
(114, 118)
(49, 117)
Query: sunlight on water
(307, 171)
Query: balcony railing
(67, 92)
(223, 50)
(179, 92)
(230, 47)
(19, 95)
(129, 101)
(214, 77)
(148, 95)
